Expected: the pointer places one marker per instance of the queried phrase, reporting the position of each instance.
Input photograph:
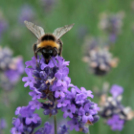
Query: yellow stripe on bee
(48, 43)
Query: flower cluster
(80, 109)
(47, 81)
(10, 68)
(100, 60)
(51, 83)
(26, 122)
(113, 111)
(111, 24)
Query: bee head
(49, 52)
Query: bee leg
(35, 52)
(60, 50)
(35, 48)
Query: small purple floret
(116, 123)
(116, 90)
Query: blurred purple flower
(48, 5)
(100, 60)
(26, 13)
(113, 111)
(111, 24)
(10, 68)
(116, 90)
(3, 124)
(116, 123)
(6, 56)
(3, 24)
(112, 38)
(13, 74)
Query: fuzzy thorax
(48, 43)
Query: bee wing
(59, 32)
(36, 30)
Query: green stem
(55, 124)
(88, 131)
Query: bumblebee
(49, 45)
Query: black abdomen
(48, 37)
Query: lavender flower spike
(111, 24)
(81, 111)
(113, 111)
(98, 57)
(48, 81)
(51, 83)
(11, 68)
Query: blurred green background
(82, 13)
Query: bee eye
(44, 51)
(50, 51)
